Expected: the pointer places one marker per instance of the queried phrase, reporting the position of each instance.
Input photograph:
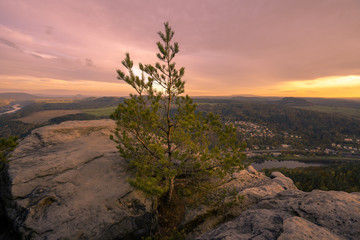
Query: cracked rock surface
(296, 215)
(67, 181)
(250, 186)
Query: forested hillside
(313, 127)
(344, 177)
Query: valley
(273, 129)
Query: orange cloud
(333, 86)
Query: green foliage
(226, 199)
(167, 143)
(100, 112)
(73, 117)
(10, 127)
(344, 177)
(7, 145)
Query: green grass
(100, 112)
(318, 158)
(352, 112)
(4, 102)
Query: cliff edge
(67, 181)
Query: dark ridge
(335, 102)
(72, 117)
(292, 101)
(18, 96)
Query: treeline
(73, 117)
(21, 129)
(315, 128)
(15, 128)
(335, 102)
(344, 177)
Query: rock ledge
(67, 181)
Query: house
(251, 154)
(276, 154)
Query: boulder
(297, 228)
(246, 187)
(67, 181)
(296, 215)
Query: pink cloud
(225, 45)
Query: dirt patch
(44, 116)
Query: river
(15, 107)
(286, 164)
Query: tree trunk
(171, 190)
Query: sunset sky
(300, 48)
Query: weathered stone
(296, 215)
(296, 228)
(253, 224)
(249, 186)
(68, 181)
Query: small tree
(7, 145)
(168, 144)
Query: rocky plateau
(67, 181)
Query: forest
(344, 177)
(315, 128)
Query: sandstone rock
(296, 215)
(253, 224)
(249, 186)
(297, 228)
(67, 181)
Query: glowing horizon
(330, 87)
(227, 48)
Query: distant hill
(96, 102)
(332, 102)
(18, 96)
(256, 99)
(88, 103)
(10, 124)
(291, 101)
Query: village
(263, 142)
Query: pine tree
(168, 144)
(7, 145)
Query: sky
(297, 48)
